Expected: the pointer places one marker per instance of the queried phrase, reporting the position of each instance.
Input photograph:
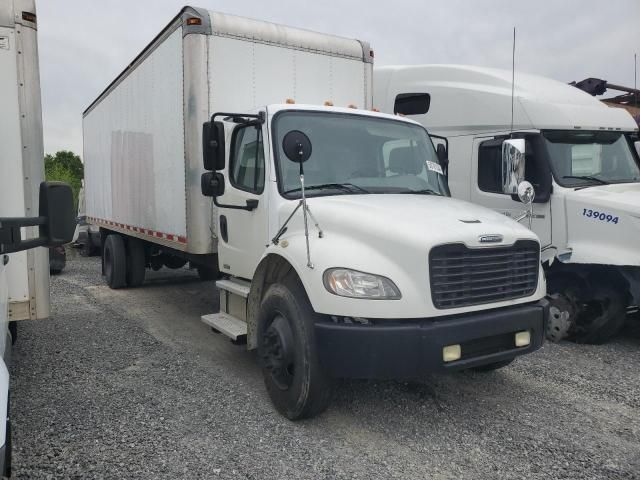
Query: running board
(230, 326)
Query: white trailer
(577, 152)
(33, 214)
(339, 250)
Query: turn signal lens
(451, 353)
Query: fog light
(523, 338)
(451, 353)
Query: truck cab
(578, 154)
(343, 254)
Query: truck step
(235, 286)
(226, 324)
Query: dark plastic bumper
(406, 349)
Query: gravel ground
(130, 384)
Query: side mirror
(513, 163)
(443, 156)
(213, 147)
(56, 221)
(637, 145)
(56, 205)
(212, 184)
(296, 146)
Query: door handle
(224, 231)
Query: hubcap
(278, 352)
(561, 313)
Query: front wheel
(296, 383)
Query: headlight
(355, 284)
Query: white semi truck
(33, 214)
(578, 153)
(339, 249)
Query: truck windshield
(355, 154)
(580, 159)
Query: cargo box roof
(222, 24)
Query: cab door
(243, 234)
(486, 188)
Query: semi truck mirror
(213, 147)
(56, 206)
(296, 146)
(513, 163)
(212, 184)
(443, 157)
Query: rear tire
(115, 261)
(136, 262)
(296, 383)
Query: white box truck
(33, 214)
(340, 251)
(578, 153)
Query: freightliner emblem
(490, 238)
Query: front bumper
(406, 349)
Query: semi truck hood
(603, 224)
(424, 220)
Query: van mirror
(56, 221)
(213, 147)
(296, 146)
(443, 157)
(513, 163)
(56, 205)
(212, 184)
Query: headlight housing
(354, 284)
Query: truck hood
(424, 220)
(603, 224)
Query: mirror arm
(252, 204)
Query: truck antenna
(513, 74)
(635, 77)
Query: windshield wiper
(345, 187)
(587, 177)
(426, 191)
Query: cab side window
(246, 166)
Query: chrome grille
(462, 276)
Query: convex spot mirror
(513, 163)
(526, 192)
(212, 184)
(213, 147)
(296, 146)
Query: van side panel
(134, 150)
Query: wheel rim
(278, 352)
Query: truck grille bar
(462, 276)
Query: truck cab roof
(467, 98)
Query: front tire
(602, 317)
(115, 261)
(296, 383)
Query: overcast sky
(85, 44)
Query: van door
(243, 234)
(486, 188)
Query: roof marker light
(290, 101)
(194, 21)
(328, 103)
(374, 109)
(351, 105)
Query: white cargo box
(142, 135)
(21, 155)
